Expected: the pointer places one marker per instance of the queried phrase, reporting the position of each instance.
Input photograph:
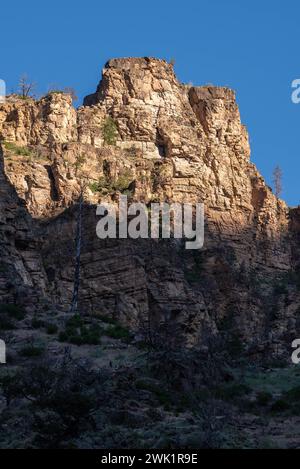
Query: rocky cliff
(145, 134)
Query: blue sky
(250, 46)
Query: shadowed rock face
(22, 277)
(175, 143)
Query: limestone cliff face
(22, 277)
(171, 142)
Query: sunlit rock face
(171, 142)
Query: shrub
(10, 386)
(232, 392)
(102, 185)
(9, 313)
(293, 394)
(90, 335)
(128, 193)
(263, 398)
(61, 397)
(74, 321)
(159, 177)
(94, 187)
(280, 406)
(12, 310)
(51, 329)
(56, 92)
(123, 181)
(109, 131)
(80, 160)
(37, 323)
(280, 289)
(194, 274)
(78, 334)
(17, 150)
(106, 319)
(235, 346)
(163, 396)
(3, 267)
(6, 323)
(132, 151)
(63, 336)
(31, 351)
(121, 184)
(118, 332)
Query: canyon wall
(146, 135)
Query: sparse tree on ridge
(26, 87)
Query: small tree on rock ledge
(26, 87)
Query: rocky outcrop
(22, 277)
(145, 134)
(50, 120)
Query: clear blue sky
(251, 46)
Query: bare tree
(83, 179)
(78, 245)
(69, 90)
(26, 87)
(277, 181)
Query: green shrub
(3, 267)
(94, 187)
(102, 185)
(9, 313)
(78, 334)
(232, 391)
(63, 336)
(6, 323)
(31, 351)
(235, 346)
(123, 181)
(280, 289)
(280, 406)
(74, 321)
(17, 150)
(91, 335)
(293, 394)
(118, 332)
(80, 160)
(164, 397)
(37, 323)
(10, 386)
(121, 184)
(109, 131)
(51, 329)
(263, 398)
(106, 319)
(12, 310)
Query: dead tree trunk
(78, 244)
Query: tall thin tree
(80, 160)
(78, 245)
